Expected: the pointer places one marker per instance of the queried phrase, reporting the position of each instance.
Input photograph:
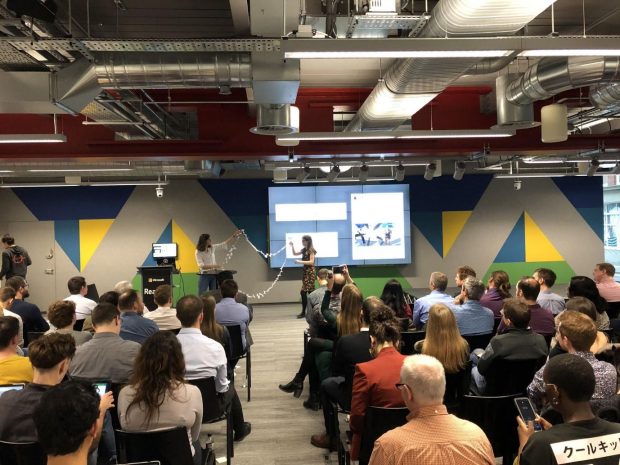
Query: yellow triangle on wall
(538, 248)
(186, 261)
(92, 233)
(452, 225)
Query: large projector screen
(356, 225)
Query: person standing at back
(15, 259)
(31, 316)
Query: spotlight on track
(399, 175)
(429, 172)
(333, 174)
(303, 174)
(459, 170)
(593, 167)
(364, 171)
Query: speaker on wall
(43, 10)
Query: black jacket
(514, 344)
(15, 262)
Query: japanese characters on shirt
(588, 451)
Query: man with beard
(31, 315)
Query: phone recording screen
(102, 388)
(526, 411)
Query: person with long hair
(498, 289)
(213, 330)
(308, 255)
(582, 286)
(207, 264)
(157, 396)
(394, 297)
(443, 340)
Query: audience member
(541, 319)
(213, 330)
(157, 396)
(241, 297)
(471, 317)
(518, 342)
(69, 420)
(230, 313)
(13, 368)
(604, 276)
(569, 383)
(110, 297)
(15, 259)
(438, 283)
(394, 297)
(582, 286)
(374, 382)
(205, 358)
(30, 314)
(314, 317)
(462, 273)
(106, 355)
(498, 289)
(164, 316)
(547, 299)
(134, 327)
(576, 334)
(83, 305)
(123, 286)
(62, 316)
(431, 435)
(50, 357)
(7, 297)
(443, 340)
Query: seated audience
(582, 286)
(437, 284)
(498, 289)
(106, 355)
(13, 368)
(83, 305)
(205, 358)
(394, 297)
(608, 288)
(547, 299)
(213, 330)
(110, 297)
(30, 314)
(157, 396)
(241, 297)
(374, 382)
(229, 312)
(69, 420)
(431, 435)
(443, 340)
(570, 383)
(7, 297)
(471, 317)
(518, 342)
(576, 334)
(134, 327)
(50, 357)
(462, 273)
(62, 317)
(164, 316)
(541, 319)
(314, 317)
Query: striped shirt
(433, 437)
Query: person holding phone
(308, 254)
(207, 264)
(583, 438)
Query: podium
(152, 277)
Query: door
(37, 237)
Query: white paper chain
(260, 295)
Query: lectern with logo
(152, 277)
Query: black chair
(33, 336)
(78, 325)
(479, 341)
(22, 453)
(496, 416)
(613, 309)
(239, 352)
(170, 447)
(457, 385)
(506, 377)
(213, 411)
(377, 421)
(408, 340)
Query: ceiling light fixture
(45, 184)
(387, 135)
(303, 174)
(429, 172)
(333, 174)
(364, 172)
(531, 175)
(594, 165)
(399, 174)
(126, 183)
(318, 54)
(459, 170)
(32, 138)
(77, 170)
(582, 52)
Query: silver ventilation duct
(410, 84)
(605, 95)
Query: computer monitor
(10, 387)
(165, 250)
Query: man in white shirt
(83, 306)
(164, 315)
(205, 358)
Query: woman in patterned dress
(309, 277)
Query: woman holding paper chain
(309, 277)
(207, 264)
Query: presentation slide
(165, 250)
(356, 225)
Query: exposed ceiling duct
(605, 95)
(410, 84)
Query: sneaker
(240, 436)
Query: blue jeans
(478, 381)
(206, 282)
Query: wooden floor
(281, 426)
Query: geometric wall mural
(80, 238)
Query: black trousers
(308, 365)
(331, 391)
(230, 398)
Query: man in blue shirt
(134, 327)
(229, 312)
(471, 317)
(437, 284)
(31, 315)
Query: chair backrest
(170, 447)
(408, 340)
(34, 335)
(506, 377)
(496, 416)
(236, 343)
(377, 421)
(212, 409)
(613, 309)
(457, 385)
(22, 453)
(479, 341)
